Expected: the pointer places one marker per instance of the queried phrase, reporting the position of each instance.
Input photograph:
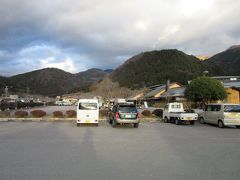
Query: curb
(60, 120)
(37, 119)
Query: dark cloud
(91, 33)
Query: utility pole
(27, 93)
(6, 91)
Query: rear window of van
(87, 106)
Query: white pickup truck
(174, 112)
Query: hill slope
(156, 67)
(52, 81)
(225, 63)
(93, 74)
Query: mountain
(156, 67)
(108, 71)
(52, 81)
(225, 63)
(93, 74)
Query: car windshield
(175, 106)
(87, 106)
(127, 109)
(232, 108)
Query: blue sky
(75, 35)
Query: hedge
(158, 112)
(38, 113)
(146, 113)
(21, 114)
(71, 113)
(57, 114)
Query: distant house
(139, 95)
(175, 94)
(233, 96)
(225, 79)
(158, 91)
(232, 88)
(233, 91)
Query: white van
(87, 111)
(221, 115)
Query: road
(62, 151)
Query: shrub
(158, 112)
(4, 106)
(21, 114)
(57, 114)
(103, 113)
(4, 114)
(71, 113)
(146, 113)
(12, 105)
(38, 113)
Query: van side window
(216, 108)
(208, 108)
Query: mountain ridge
(142, 70)
(149, 68)
(52, 81)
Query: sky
(76, 35)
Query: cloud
(65, 64)
(93, 33)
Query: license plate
(189, 118)
(128, 116)
(87, 121)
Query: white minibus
(221, 115)
(87, 111)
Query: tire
(165, 120)
(97, 124)
(110, 121)
(136, 125)
(114, 123)
(192, 122)
(177, 121)
(220, 124)
(202, 120)
(78, 124)
(238, 126)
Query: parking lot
(62, 151)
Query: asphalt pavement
(154, 151)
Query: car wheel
(177, 121)
(78, 124)
(202, 120)
(136, 125)
(110, 121)
(220, 124)
(166, 120)
(114, 123)
(192, 122)
(238, 126)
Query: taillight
(138, 115)
(117, 115)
